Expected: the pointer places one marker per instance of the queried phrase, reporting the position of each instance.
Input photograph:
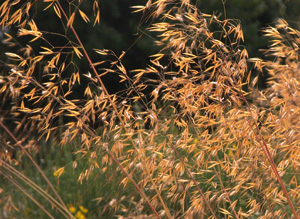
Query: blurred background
(121, 30)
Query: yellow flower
(195, 140)
(72, 209)
(83, 209)
(59, 172)
(79, 215)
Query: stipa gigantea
(51, 91)
(200, 155)
(240, 117)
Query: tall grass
(192, 136)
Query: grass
(101, 188)
(190, 137)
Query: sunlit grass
(191, 136)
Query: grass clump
(191, 136)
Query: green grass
(101, 185)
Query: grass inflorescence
(191, 136)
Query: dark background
(121, 30)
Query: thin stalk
(114, 108)
(134, 183)
(37, 167)
(129, 177)
(37, 188)
(224, 190)
(109, 153)
(266, 150)
(194, 181)
(217, 174)
(27, 194)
